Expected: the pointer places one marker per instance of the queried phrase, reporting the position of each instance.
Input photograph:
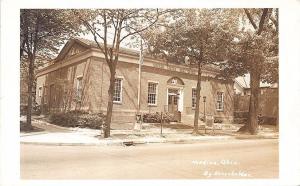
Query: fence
(267, 107)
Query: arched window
(175, 81)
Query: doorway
(173, 103)
(173, 97)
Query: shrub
(240, 114)
(36, 109)
(267, 120)
(156, 117)
(80, 119)
(261, 120)
(218, 120)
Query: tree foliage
(258, 41)
(196, 37)
(42, 32)
(184, 35)
(256, 53)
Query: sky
(245, 81)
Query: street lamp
(204, 100)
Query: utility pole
(139, 118)
(204, 101)
(139, 78)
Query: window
(175, 100)
(152, 93)
(40, 92)
(118, 91)
(45, 95)
(220, 101)
(51, 95)
(194, 96)
(79, 88)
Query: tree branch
(274, 22)
(250, 18)
(36, 32)
(141, 30)
(262, 21)
(105, 40)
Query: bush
(156, 117)
(240, 114)
(217, 120)
(267, 120)
(36, 109)
(80, 119)
(261, 120)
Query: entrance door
(173, 96)
(172, 103)
(173, 100)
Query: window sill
(220, 110)
(152, 105)
(117, 102)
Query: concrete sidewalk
(80, 136)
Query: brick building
(79, 79)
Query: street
(241, 159)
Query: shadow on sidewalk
(25, 129)
(173, 126)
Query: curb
(257, 137)
(133, 142)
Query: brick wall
(61, 85)
(268, 102)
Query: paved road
(227, 159)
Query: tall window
(194, 97)
(118, 91)
(45, 96)
(220, 101)
(152, 93)
(40, 92)
(79, 88)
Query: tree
(200, 35)
(256, 53)
(110, 28)
(42, 31)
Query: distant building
(263, 90)
(79, 79)
(267, 98)
(239, 88)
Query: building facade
(267, 98)
(78, 79)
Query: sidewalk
(55, 135)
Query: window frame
(40, 90)
(156, 93)
(45, 95)
(79, 92)
(194, 106)
(121, 91)
(218, 101)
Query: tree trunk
(277, 118)
(29, 91)
(253, 105)
(106, 127)
(198, 94)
